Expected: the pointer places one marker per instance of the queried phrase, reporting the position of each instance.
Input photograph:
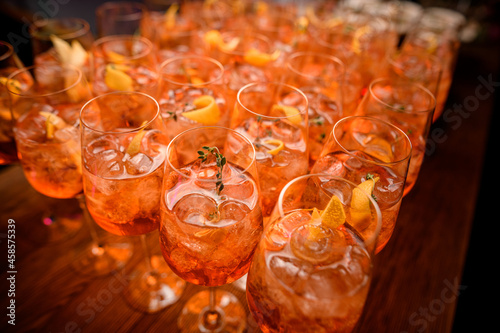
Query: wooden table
(417, 277)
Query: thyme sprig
(220, 160)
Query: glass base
(61, 227)
(228, 315)
(152, 288)
(102, 259)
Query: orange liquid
(121, 199)
(286, 293)
(51, 166)
(206, 238)
(388, 190)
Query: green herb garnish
(220, 160)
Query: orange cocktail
(366, 149)
(313, 266)
(274, 116)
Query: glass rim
(200, 128)
(420, 87)
(275, 83)
(9, 52)
(393, 57)
(78, 80)
(373, 119)
(190, 56)
(98, 44)
(110, 5)
(378, 212)
(35, 27)
(334, 59)
(131, 130)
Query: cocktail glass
(415, 66)
(373, 152)
(274, 117)
(320, 77)
(120, 18)
(312, 269)
(436, 36)
(124, 63)
(408, 106)
(246, 56)
(123, 150)
(192, 93)
(174, 32)
(211, 222)
(361, 41)
(46, 111)
(64, 41)
(9, 63)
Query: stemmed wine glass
(409, 106)
(320, 77)
(192, 93)
(64, 41)
(274, 116)
(46, 112)
(123, 152)
(374, 154)
(9, 63)
(211, 221)
(124, 63)
(120, 17)
(312, 269)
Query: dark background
(477, 302)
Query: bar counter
(418, 277)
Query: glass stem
(212, 318)
(211, 300)
(90, 223)
(147, 253)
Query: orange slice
(135, 145)
(333, 215)
(257, 58)
(360, 32)
(116, 79)
(279, 146)
(170, 15)
(73, 54)
(52, 122)
(207, 112)
(360, 203)
(291, 112)
(215, 40)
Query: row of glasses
(46, 110)
(9, 63)
(278, 127)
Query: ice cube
(239, 188)
(67, 133)
(232, 211)
(353, 164)
(138, 164)
(195, 208)
(105, 142)
(292, 272)
(286, 131)
(332, 164)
